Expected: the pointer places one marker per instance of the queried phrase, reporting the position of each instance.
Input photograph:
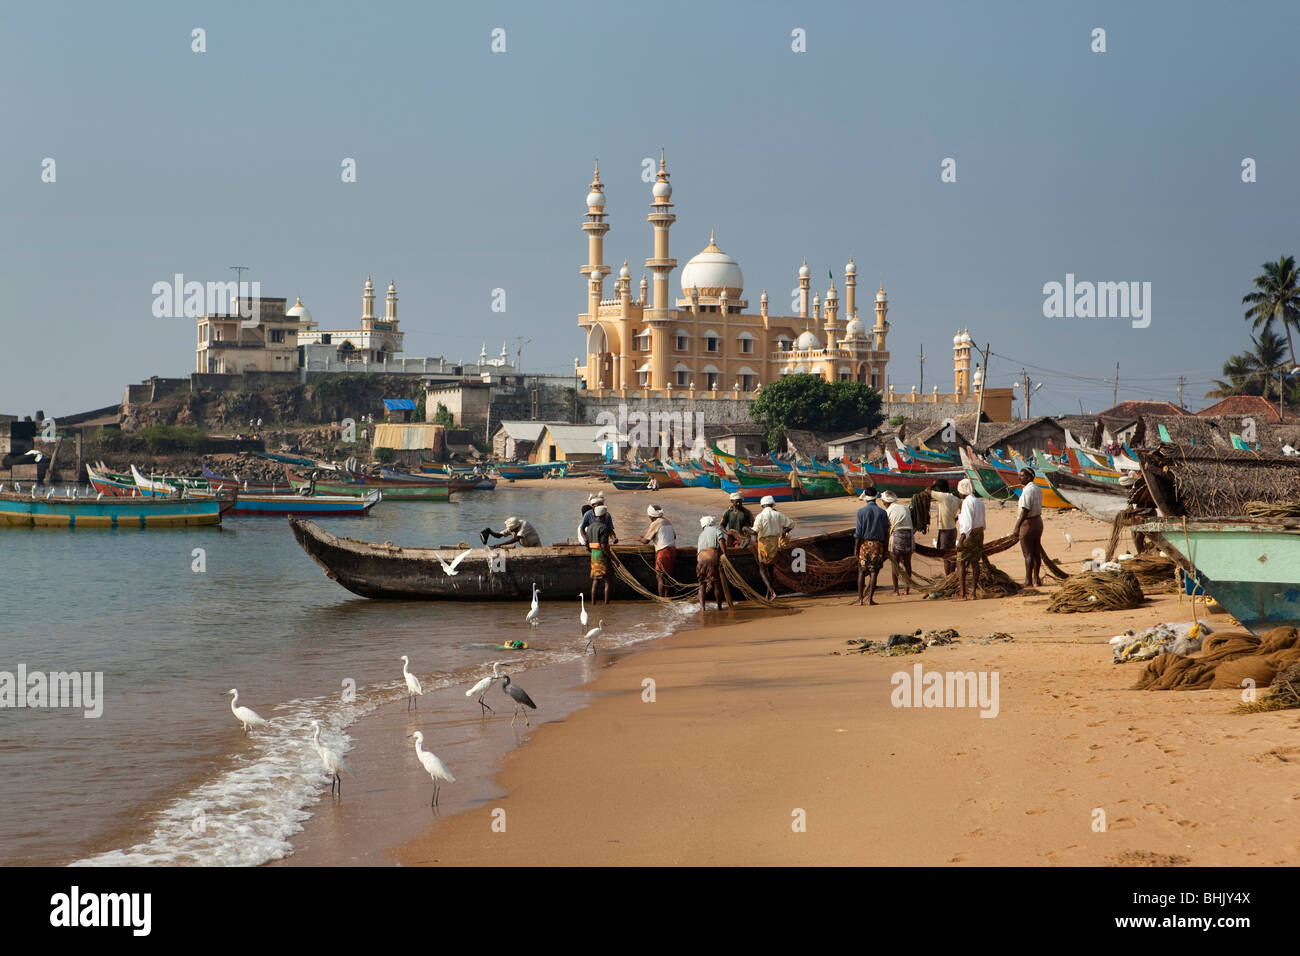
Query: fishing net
(1097, 591)
(1153, 572)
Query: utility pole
(922, 387)
(1026, 377)
(1115, 397)
(1180, 391)
(239, 284)
(979, 411)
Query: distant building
(227, 347)
(569, 443)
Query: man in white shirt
(770, 526)
(901, 538)
(664, 537)
(1029, 528)
(970, 539)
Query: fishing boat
(902, 483)
(361, 487)
(984, 478)
(1251, 566)
(108, 511)
(252, 485)
(388, 571)
(1102, 500)
(518, 472)
(312, 506)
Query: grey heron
(520, 697)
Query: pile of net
(1171, 637)
(1226, 659)
(1097, 591)
(1154, 572)
(1283, 695)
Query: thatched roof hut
(1186, 430)
(1202, 482)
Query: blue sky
(472, 167)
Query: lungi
(871, 556)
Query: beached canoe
(1251, 566)
(110, 511)
(315, 506)
(1102, 500)
(388, 571)
(393, 490)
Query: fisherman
(796, 486)
(516, 532)
(708, 554)
(870, 541)
(582, 523)
(737, 520)
(771, 526)
(1029, 528)
(946, 507)
(597, 500)
(599, 535)
(901, 539)
(970, 539)
(664, 537)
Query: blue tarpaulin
(399, 405)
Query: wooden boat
(1102, 500)
(517, 472)
(313, 506)
(985, 480)
(1251, 566)
(251, 485)
(361, 487)
(109, 511)
(902, 483)
(388, 571)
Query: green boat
(987, 482)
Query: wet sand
(759, 727)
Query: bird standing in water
(436, 769)
(332, 761)
(520, 697)
(413, 687)
(245, 715)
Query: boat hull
(110, 512)
(317, 506)
(393, 491)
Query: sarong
(871, 556)
(973, 549)
(901, 541)
(706, 566)
(946, 540)
(665, 558)
(768, 548)
(599, 563)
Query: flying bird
(520, 697)
(436, 769)
(450, 569)
(245, 715)
(413, 687)
(332, 761)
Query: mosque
(709, 340)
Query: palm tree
(1251, 373)
(1277, 299)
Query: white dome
(807, 340)
(712, 271)
(880, 296)
(662, 189)
(299, 312)
(956, 339)
(965, 338)
(855, 329)
(850, 269)
(624, 272)
(596, 198)
(804, 271)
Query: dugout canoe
(1102, 500)
(388, 571)
(109, 511)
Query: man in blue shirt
(870, 540)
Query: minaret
(805, 282)
(832, 307)
(961, 349)
(595, 227)
(661, 219)
(390, 304)
(850, 290)
(762, 304)
(882, 324)
(368, 305)
(644, 299)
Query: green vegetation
(385, 455)
(155, 440)
(443, 417)
(1264, 369)
(1276, 299)
(804, 401)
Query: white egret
(1069, 541)
(594, 633)
(520, 697)
(481, 688)
(582, 615)
(535, 610)
(450, 569)
(436, 769)
(413, 686)
(332, 761)
(245, 715)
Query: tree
(804, 401)
(1251, 372)
(1277, 299)
(441, 416)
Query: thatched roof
(1133, 410)
(1183, 430)
(1085, 428)
(1203, 482)
(805, 444)
(931, 433)
(996, 434)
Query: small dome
(392, 285)
(831, 294)
(807, 340)
(856, 329)
(763, 297)
(965, 338)
(299, 312)
(850, 269)
(880, 296)
(956, 339)
(596, 199)
(804, 271)
(662, 189)
(625, 272)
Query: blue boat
(54, 510)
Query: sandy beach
(771, 740)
